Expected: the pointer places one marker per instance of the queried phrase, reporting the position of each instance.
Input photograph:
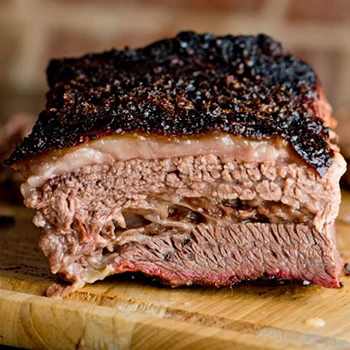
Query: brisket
(167, 217)
(197, 159)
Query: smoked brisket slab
(197, 159)
(190, 85)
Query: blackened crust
(191, 84)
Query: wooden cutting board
(131, 312)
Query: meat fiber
(198, 159)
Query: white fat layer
(110, 150)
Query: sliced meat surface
(144, 206)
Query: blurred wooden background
(32, 31)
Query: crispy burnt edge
(244, 85)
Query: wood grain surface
(132, 312)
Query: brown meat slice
(172, 218)
(197, 159)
